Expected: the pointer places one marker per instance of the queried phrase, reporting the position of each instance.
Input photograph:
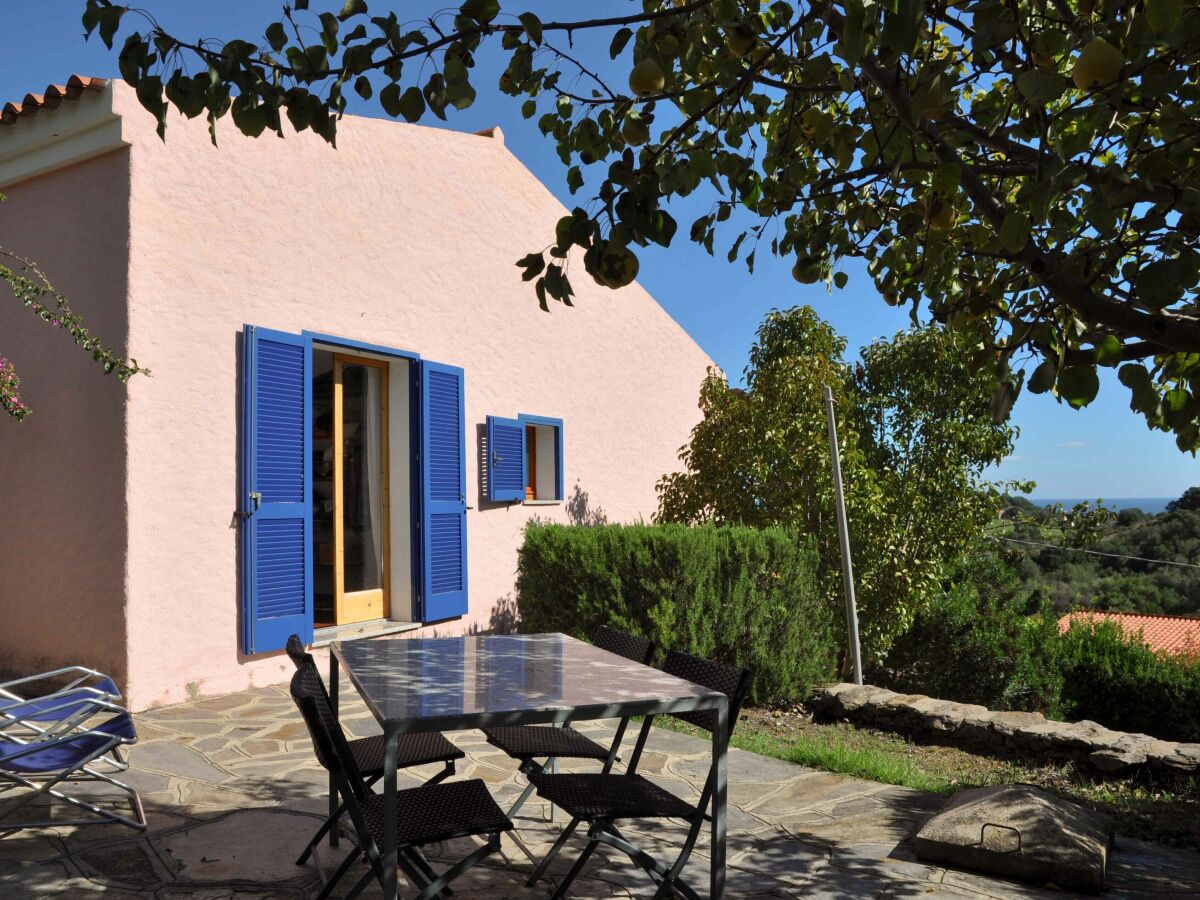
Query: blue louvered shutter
(443, 492)
(276, 474)
(505, 460)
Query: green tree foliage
(984, 640)
(1071, 580)
(742, 595)
(915, 433)
(1118, 681)
(1190, 501)
(33, 290)
(1024, 170)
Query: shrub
(1118, 681)
(978, 643)
(738, 594)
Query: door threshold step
(358, 630)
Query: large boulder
(1019, 832)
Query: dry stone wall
(1015, 733)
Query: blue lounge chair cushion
(58, 707)
(69, 754)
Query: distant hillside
(1074, 580)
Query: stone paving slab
(232, 792)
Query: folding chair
(529, 743)
(45, 763)
(411, 749)
(426, 814)
(603, 799)
(18, 706)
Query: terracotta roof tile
(53, 96)
(1177, 635)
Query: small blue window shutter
(276, 474)
(506, 460)
(443, 492)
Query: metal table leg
(390, 877)
(720, 785)
(335, 831)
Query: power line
(1161, 562)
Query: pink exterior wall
(62, 470)
(404, 236)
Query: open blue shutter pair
(506, 460)
(276, 491)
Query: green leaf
(1108, 351)
(620, 39)
(533, 26)
(1163, 15)
(352, 8)
(533, 264)
(1078, 385)
(110, 21)
(1043, 377)
(1041, 86)
(412, 105)
(276, 36)
(482, 11)
(389, 99)
(840, 280)
(362, 87)
(1014, 233)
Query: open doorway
(361, 488)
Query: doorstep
(359, 630)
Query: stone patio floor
(232, 792)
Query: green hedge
(737, 594)
(1123, 684)
(979, 643)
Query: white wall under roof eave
(53, 138)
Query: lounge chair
(46, 763)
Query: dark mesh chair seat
(528, 742)
(534, 742)
(411, 750)
(438, 812)
(602, 799)
(596, 796)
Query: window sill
(323, 637)
(541, 502)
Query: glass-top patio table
(447, 684)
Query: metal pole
(844, 540)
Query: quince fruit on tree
(647, 78)
(1099, 63)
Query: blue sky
(1103, 451)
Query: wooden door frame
(341, 599)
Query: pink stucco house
(354, 405)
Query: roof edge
(43, 133)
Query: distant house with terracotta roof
(320, 475)
(1173, 635)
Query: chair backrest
(295, 649)
(622, 643)
(732, 681)
(329, 742)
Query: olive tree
(1025, 171)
